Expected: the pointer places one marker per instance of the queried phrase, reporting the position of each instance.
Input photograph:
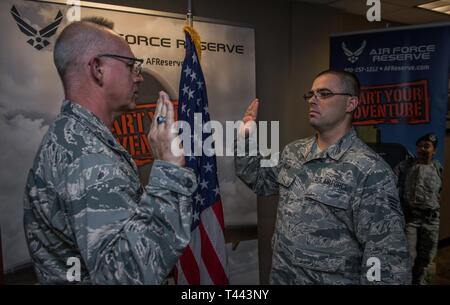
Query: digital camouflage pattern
(83, 199)
(420, 186)
(338, 208)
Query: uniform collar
(92, 122)
(335, 151)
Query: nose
(422, 149)
(313, 99)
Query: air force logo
(353, 56)
(38, 39)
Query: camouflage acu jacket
(83, 199)
(419, 184)
(338, 214)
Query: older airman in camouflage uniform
(83, 199)
(420, 184)
(339, 217)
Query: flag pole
(189, 13)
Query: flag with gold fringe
(204, 261)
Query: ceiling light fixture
(442, 6)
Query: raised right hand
(248, 125)
(162, 135)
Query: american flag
(204, 261)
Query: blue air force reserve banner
(32, 93)
(402, 116)
(404, 77)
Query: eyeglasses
(322, 94)
(135, 67)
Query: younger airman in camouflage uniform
(339, 219)
(420, 184)
(83, 199)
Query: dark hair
(349, 81)
(431, 137)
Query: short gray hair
(78, 39)
(100, 21)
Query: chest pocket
(285, 177)
(291, 186)
(336, 196)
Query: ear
(352, 103)
(96, 70)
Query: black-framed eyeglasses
(322, 94)
(135, 67)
